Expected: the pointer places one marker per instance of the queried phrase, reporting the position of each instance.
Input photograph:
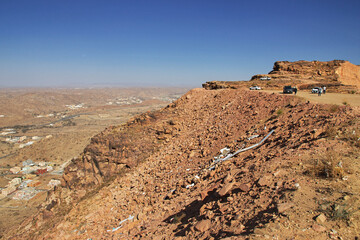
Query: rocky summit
(215, 164)
(336, 75)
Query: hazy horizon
(167, 43)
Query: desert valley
(218, 162)
(42, 130)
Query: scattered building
(25, 194)
(128, 101)
(8, 190)
(8, 131)
(40, 171)
(12, 139)
(37, 168)
(36, 138)
(73, 107)
(33, 184)
(26, 144)
(14, 182)
(24, 184)
(28, 162)
(54, 182)
(15, 170)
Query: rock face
(337, 75)
(329, 72)
(306, 69)
(348, 74)
(111, 152)
(155, 178)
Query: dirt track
(328, 98)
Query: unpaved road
(328, 98)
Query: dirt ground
(328, 98)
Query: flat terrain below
(328, 98)
(53, 126)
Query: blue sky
(86, 43)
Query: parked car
(316, 90)
(289, 90)
(255, 88)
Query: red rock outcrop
(337, 75)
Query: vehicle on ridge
(289, 90)
(255, 88)
(317, 90)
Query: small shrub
(280, 111)
(331, 132)
(334, 108)
(345, 103)
(179, 217)
(68, 123)
(328, 166)
(336, 211)
(352, 136)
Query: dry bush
(352, 136)
(334, 108)
(337, 210)
(179, 217)
(331, 132)
(279, 112)
(328, 165)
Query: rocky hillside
(160, 176)
(337, 75)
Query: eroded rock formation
(337, 75)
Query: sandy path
(328, 98)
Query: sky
(124, 43)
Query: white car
(255, 88)
(316, 90)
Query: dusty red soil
(301, 183)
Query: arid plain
(48, 127)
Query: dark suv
(289, 90)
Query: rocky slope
(337, 75)
(154, 178)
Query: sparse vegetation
(337, 211)
(69, 122)
(334, 108)
(179, 217)
(348, 132)
(331, 132)
(279, 112)
(352, 136)
(328, 166)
